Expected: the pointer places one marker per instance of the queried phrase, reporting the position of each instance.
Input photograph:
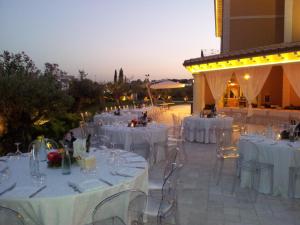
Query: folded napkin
(89, 185)
(79, 148)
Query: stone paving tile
(202, 202)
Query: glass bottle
(34, 162)
(42, 148)
(66, 162)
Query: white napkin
(79, 148)
(89, 185)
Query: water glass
(39, 179)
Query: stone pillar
(198, 93)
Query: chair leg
(220, 172)
(215, 169)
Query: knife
(105, 181)
(8, 189)
(75, 188)
(121, 174)
(38, 191)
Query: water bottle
(66, 162)
(34, 162)
(42, 148)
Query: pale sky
(141, 36)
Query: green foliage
(27, 97)
(121, 76)
(86, 92)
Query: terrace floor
(202, 202)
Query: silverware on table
(120, 174)
(37, 191)
(8, 189)
(74, 187)
(136, 161)
(136, 167)
(3, 160)
(105, 181)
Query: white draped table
(152, 134)
(282, 154)
(202, 129)
(59, 204)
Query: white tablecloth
(152, 133)
(282, 155)
(110, 118)
(202, 129)
(58, 204)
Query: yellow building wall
(294, 99)
(296, 21)
(253, 33)
(273, 87)
(255, 23)
(256, 7)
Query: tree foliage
(27, 97)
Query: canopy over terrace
(270, 70)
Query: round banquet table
(200, 129)
(110, 118)
(282, 154)
(152, 134)
(59, 204)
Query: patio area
(202, 202)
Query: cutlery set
(15, 184)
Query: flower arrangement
(55, 157)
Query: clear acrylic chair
(142, 149)
(164, 207)
(294, 175)
(155, 185)
(124, 208)
(255, 166)
(225, 151)
(50, 144)
(10, 217)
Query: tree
(115, 77)
(28, 98)
(82, 74)
(85, 92)
(121, 76)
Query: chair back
(126, 208)
(50, 144)
(10, 217)
(169, 196)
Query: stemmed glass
(18, 152)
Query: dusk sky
(141, 36)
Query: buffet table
(152, 134)
(200, 129)
(282, 154)
(59, 203)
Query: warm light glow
(289, 57)
(247, 76)
(218, 17)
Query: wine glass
(18, 152)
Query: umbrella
(166, 84)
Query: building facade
(260, 42)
